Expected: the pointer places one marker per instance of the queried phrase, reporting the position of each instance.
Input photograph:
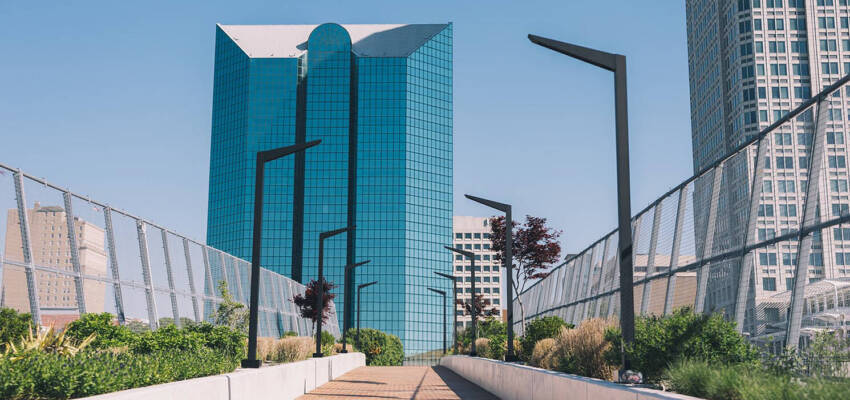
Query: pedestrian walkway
(399, 383)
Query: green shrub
(538, 329)
(44, 375)
(660, 341)
(13, 326)
(747, 382)
(689, 377)
(327, 343)
(229, 342)
(167, 338)
(107, 333)
(290, 333)
(223, 339)
(381, 349)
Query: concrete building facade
(51, 248)
(473, 234)
(750, 62)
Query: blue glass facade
(380, 99)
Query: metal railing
(116, 262)
(734, 238)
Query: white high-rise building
(750, 62)
(473, 234)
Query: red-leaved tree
(535, 250)
(307, 302)
(482, 306)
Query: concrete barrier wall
(279, 382)
(510, 381)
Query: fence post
(75, 254)
(747, 260)
(26, 247)
(170, 275)
(674, 252)
(708, 243)
(650, 258)
(195, 306)
(146, 274)
(113, 264)
(209, 278)
(804, 242)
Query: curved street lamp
(615, 63)
(262, 158)
(359, 288)
(454, 323)
(345, 321)
(507, 266)
(442, 293)
(320, 307)
(473, 308)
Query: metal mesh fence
(761, 236)
(63, 254)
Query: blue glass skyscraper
(380, 99)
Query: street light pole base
(511, 358)
(318, 355)
(343, 351)
(473, 354)
(251, 363)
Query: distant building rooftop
(285, 41)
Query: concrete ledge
(510, 381)
(279, 382)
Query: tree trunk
(522, 316)
(521, 306)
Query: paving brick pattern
(399, 383)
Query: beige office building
(51, 248)
(473, 234)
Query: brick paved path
(399, 383)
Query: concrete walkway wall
(510, 381)
(279, 382)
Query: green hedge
(380, 348)
(42, 375)
(13, 326)
(119, 358)
(660, 341)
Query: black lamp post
(454, 313)
(507, 266)
(262, 158)
(445, 320)
(345, 315)
(615, 63)
(320, 307)
(359, 288)
(473, 308)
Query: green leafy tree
(13, 326)
(230, 312)
(538, 329)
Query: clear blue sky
(113, 99)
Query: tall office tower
(473, 234)
(380, 99)
(48, 234)
(750, 62)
